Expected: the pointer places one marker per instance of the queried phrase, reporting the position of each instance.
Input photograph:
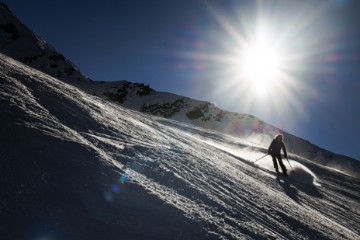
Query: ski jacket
(275, 148)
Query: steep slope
(56, 181)
(78, 167)
(19, 42)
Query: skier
(275, 151)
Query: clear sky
(293, 64)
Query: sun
(261, 64)
(253, 60)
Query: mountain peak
(19, 42)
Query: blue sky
(192, 47)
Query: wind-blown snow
(77, 167)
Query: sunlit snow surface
(77, 167)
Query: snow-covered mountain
(78, 166)
(19, 42)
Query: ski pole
(290, 164)
(260, 158)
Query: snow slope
(75, 166)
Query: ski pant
(278, 157)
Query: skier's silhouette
(275, 151)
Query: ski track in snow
(205, 174)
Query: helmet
(279, 137)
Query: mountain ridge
(19, 42)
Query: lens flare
(115, 188)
